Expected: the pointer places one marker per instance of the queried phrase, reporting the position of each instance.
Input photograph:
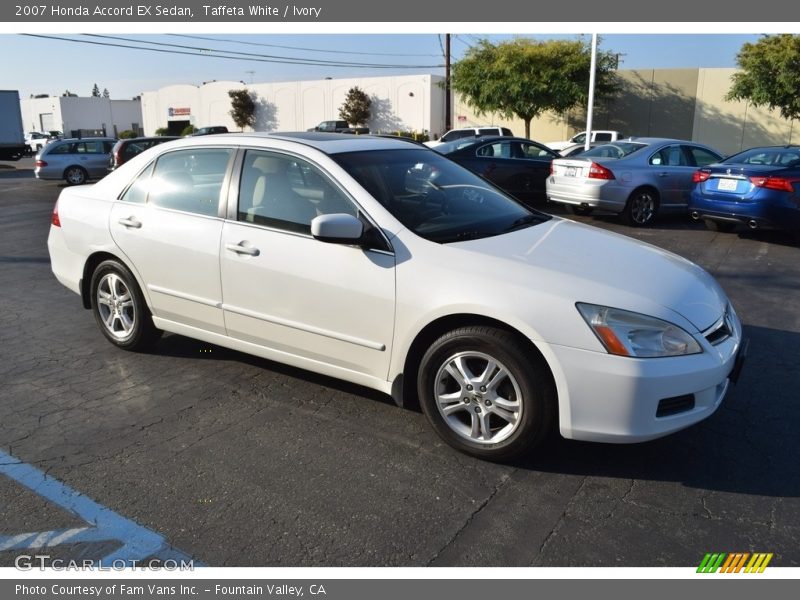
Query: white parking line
(103, 524)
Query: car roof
(85, 139)
(329, 143)
(148, 138)
(653, 140)
(483, 139)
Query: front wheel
(75, 176)
(486, 393)
(642, 208)
(119, 308)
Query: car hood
(587, 264)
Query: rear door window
(190, 180)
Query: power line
(254, 58)
(317, 61)
(210, 39)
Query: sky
(44, 65)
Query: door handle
(239, 249)
(662, 174)
(131, 222)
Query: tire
(509, 416)
(119, 308)
(721, 226)
(641, 208)
(580, 209)
(75, 175)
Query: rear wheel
(641, 208)
(486, 393)
(75, 176)
(721, 226)
(119, 308)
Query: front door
(284, 290)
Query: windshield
(615, 150)
(434, 197)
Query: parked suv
(124, 150)
(468, 132)
(74, 160)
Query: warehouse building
(76, 116)
(404, 103)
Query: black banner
(361, 11)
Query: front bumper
(607, 398)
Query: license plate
(727, 185)
(571, 172)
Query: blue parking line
(102, 523)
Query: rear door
(671, 171)
(169, 223)
(93, 155)
(519, 168)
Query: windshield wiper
(525, 221)
(463, 236)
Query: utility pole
(448, 117)
(590, 107)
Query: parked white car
(601, 136)
(382, 263)
(36, 140)
(464, 133)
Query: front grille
(721, 330)
(677, 404)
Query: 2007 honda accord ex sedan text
(381, 262)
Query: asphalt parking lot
(238, 461)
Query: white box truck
(12, 137)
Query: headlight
(626, 333)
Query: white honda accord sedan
(382, 263)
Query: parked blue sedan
(759, 188)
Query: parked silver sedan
(636, 178)
(74, 160)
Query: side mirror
(337, 229)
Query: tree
(525, 78)
(68, 94)
(95, 91)
(162, 131)
(770, 74)
(105, 93)
(356, 107)
(243, 108)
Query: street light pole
(448, 125)
(590, 107)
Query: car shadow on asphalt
(178, 346)
(749, 446)
(16, 174)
